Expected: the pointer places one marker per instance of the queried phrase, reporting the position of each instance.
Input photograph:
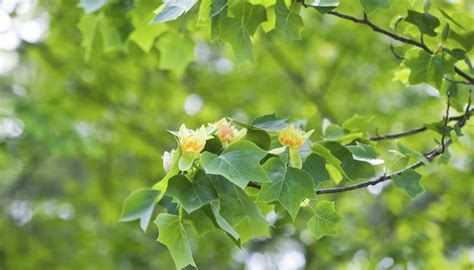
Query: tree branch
(375, 28)
(417, 130)
(430, 156)
(398, 134)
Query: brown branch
(416, 43)
(398, 135)
(415, 130)
(375, 28)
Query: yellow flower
(192, 140)
(293, 137)
(227, 133)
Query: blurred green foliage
(81, 128)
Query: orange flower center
(291, 142)
(225, 133)
(191, 145)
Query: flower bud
(168, 160)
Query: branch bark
(397, 135)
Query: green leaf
(332, 131)
(412, 153)
(91, 6)
(330, 158)
(446, 15)
(409, 181)
(204, 13)
(466, 40)
(111, 38)
(140, 205)
(315, 165)
(174, 237)
(290, 186)
(250, 15)
(162, 185)
(192, 194)
(221, 222)
(172, 9)
(265, 3)
(358, 123)
(239, 210)
(213, 145)
(176, 52)
(322, 6)
(353, 169)
(144, 34)
(295, 159)
(425, 22)
(186, 161)
(200, 221)
(325, 220)
(428, 68)
(88, 26)
(257, 130)
(334, 173)
(289, 23)
(363, 152)
(239, 163)
(235, 32)
(370, 6)
(268, 122)
(259, 137)
(217, 7)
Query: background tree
(87, 97)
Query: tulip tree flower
(192, 142)
(227, 133)
(292, 138)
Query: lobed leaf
(409, 181)
(174, 237)
(139, 205)
(239, 163)
(290, 186)
(325, 220)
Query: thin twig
(398, 135)
(375, 28)
(412, 131)
(392, 49)
(455, 81)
